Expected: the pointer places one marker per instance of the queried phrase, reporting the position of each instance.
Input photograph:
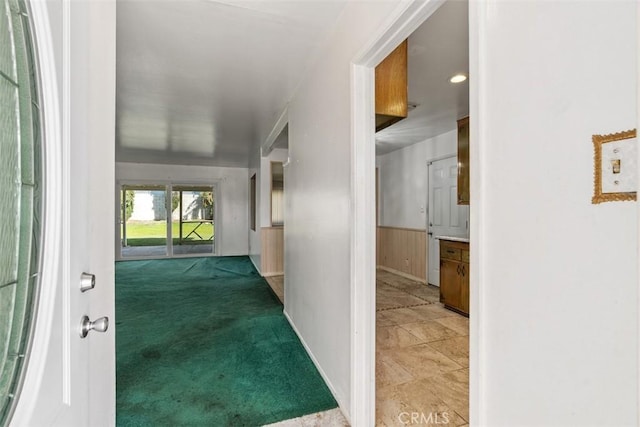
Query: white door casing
(407, 17)
(70, 381)
(446, 217)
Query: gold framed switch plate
(615, 167)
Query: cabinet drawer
(465, 255)
(447, 252)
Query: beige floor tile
(458, 323)
(429, 330)
(426, 294)
(406, 300)
(436, 311)
(389, 372)
(453, 388)
(411, 403)
(277, 284)
(331, 418)
(294, 422)
(384, 274)
(388, 293)
(386, 304)
(388, 296)
(457, 349)
(399, 282)
(430, 406)
(416, 314)
(390, 403)
(382, 320)
(423, 361)
(395, 337)
(400, 316)
(411, 286)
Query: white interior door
(446, 217)
(70, 380)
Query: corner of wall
(340, 399)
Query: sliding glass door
(159, 221)
(192, 220)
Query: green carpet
(203, 342)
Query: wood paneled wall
(272, 257)
(403, 250)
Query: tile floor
(331, 418)
(422, 358)
(277, 285)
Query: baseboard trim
(402, 273)
(271, 274)
(255, 265)
(318, 367)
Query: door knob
(98, 325)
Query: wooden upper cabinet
(463, 161)
(391, 88)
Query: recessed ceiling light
(458, 78)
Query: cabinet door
(450, 282)
(463, 161)
(464, 288)
(391, 88)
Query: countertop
(453, 238)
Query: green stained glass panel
(7, 60)
(21, 186)
(9, 181)
(7, 297)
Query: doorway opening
(419, 334)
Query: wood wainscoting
(402, 251)
(272, 257)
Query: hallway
(203, 341)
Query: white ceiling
(202, 81)
(438, 49)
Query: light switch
(619, 166)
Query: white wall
(556, 277)
(232, 196)
(403, 181)
(318, 199)
(263, 198)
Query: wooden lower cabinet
(454, 275)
